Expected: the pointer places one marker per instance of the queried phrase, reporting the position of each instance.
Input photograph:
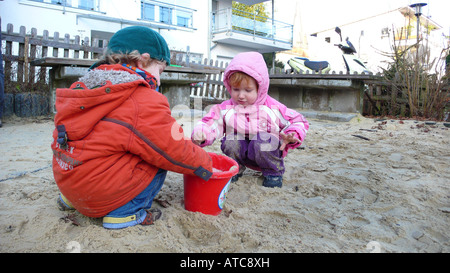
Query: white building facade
(197, 29)
(374, 39)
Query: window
(147, 11)
(86, 4)
(182, 21)
(67, 3)
(183, 18)
(165, 15)
(80, 4)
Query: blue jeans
(133, 212)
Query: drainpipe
(273, 33)
(273, 19)
(208, 46)
(229, 19)
(64, 6)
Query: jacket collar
(149, 78)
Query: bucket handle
(203, 173)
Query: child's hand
(287, 138)
(198, 137)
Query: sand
(386, 192)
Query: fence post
(378, 90)
(76, 53)
(56, 39)
(32, 56)
(215, 90)
(85, 51)
(370, 109)
(95, 44)
(221, 94)
(43, 70)
(8, 52)
(67, 41)
(22, 54)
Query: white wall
(55, 19)
(371, 46)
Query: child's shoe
(147, 218)
(236, 177)
(64, 204)
(272, 181)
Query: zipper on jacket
(200, 171)
(247, 125)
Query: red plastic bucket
(208, 197)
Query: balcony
(262, 34)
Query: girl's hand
(287, 138)
(198, 137)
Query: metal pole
(273, 35)
(418, 26)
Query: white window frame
(186, 14)
(64, 5)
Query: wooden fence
(24, 81)
(382, 98)
(21, 48)
(27, 86)
(213, 88)
(29, 47)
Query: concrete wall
(174, 85)
(319, 94)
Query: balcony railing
(233, 20)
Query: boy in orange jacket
(112, 142)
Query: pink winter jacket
(265, 115)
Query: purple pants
(260, 152)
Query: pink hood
(252, 64)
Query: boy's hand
(287, 138)
(198, 137)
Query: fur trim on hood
(93, 97)
(98, 77)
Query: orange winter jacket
(111, 138)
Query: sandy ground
(389, 192)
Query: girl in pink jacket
(258, 129)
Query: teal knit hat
(142, 39)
